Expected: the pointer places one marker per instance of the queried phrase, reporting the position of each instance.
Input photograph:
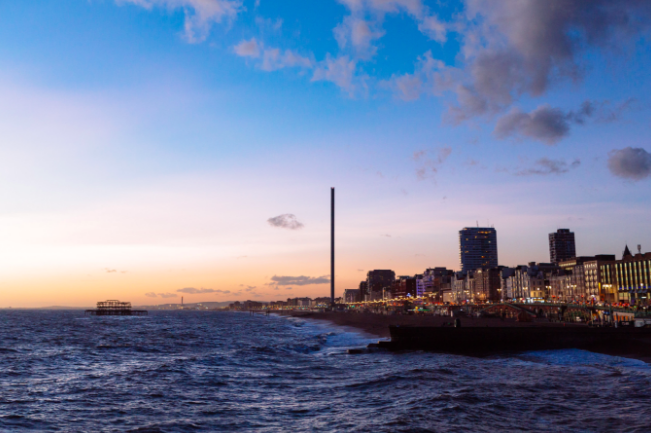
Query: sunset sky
(153, 149)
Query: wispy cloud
(299, 281)
(340, 71)
(546, 166)
(162, 295)
(271, 59)
(359, 32)
(249, 48)
(428, 165)
(200, 15)
(549, 125)
(195, 291)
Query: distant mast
(332, 247)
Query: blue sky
(157, 137)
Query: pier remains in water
(115, 308)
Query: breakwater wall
(481, 341)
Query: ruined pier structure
(115, 308)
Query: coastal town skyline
(528, 281)
(154, 149)
(332, 215)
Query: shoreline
(378, 326)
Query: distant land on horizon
(194, 304)
(58, 307)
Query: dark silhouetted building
(351, 296)
(363, 290)
(477, 248)
(378, 279)
(561, 245)
(404, 287)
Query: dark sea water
(207, 371)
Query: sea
(192, 371)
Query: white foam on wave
(584, 358)
(336, 339)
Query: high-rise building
(378, 279)
(561, 245)
(477, 248)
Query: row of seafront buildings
(290, 303)
(567, 278)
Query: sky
(158, 149)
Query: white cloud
(249, 48)
(200, 15)
(414, 7)
(430, 76)
(271, 58)
(360, 34)
(339, 70)
(434, 28)
(363, 27)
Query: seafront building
(376, 281)
(583, 279)
(577, 279)
(629, 279)
(561, 245)
(351, 296)
(477, 248)
(487, 285)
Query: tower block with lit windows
(477, 248)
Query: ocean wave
(208, 372)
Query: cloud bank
(195, 291)
(507, 49)
(162, 295)
(299, 281)
(549, 125)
